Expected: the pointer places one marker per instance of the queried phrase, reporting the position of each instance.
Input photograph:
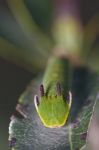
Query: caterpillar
(53, 105)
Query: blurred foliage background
(20, 49)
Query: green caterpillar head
(52, 110)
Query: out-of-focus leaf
(90, 53)
(92, 58)
(37, 38)
(30, 134)
(41, 11)
(30, 60)
(91, 31)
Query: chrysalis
(54, 104)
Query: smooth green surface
(53, 111)
(57, 71)
(54, 108)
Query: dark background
(13, 79)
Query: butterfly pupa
(53, 105)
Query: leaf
(90, 53)
(30, 134)
(93, 135)
(23, 57)
(92, 58)
(78, 129)
(91, 32)
(37, 38)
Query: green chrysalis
(53, 107)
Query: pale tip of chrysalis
(36, 101)
(20, 110)
(41, 90)
(70, 99)
(58, 88)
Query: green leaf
(25, 58)
(92, 58)
(24, 18)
